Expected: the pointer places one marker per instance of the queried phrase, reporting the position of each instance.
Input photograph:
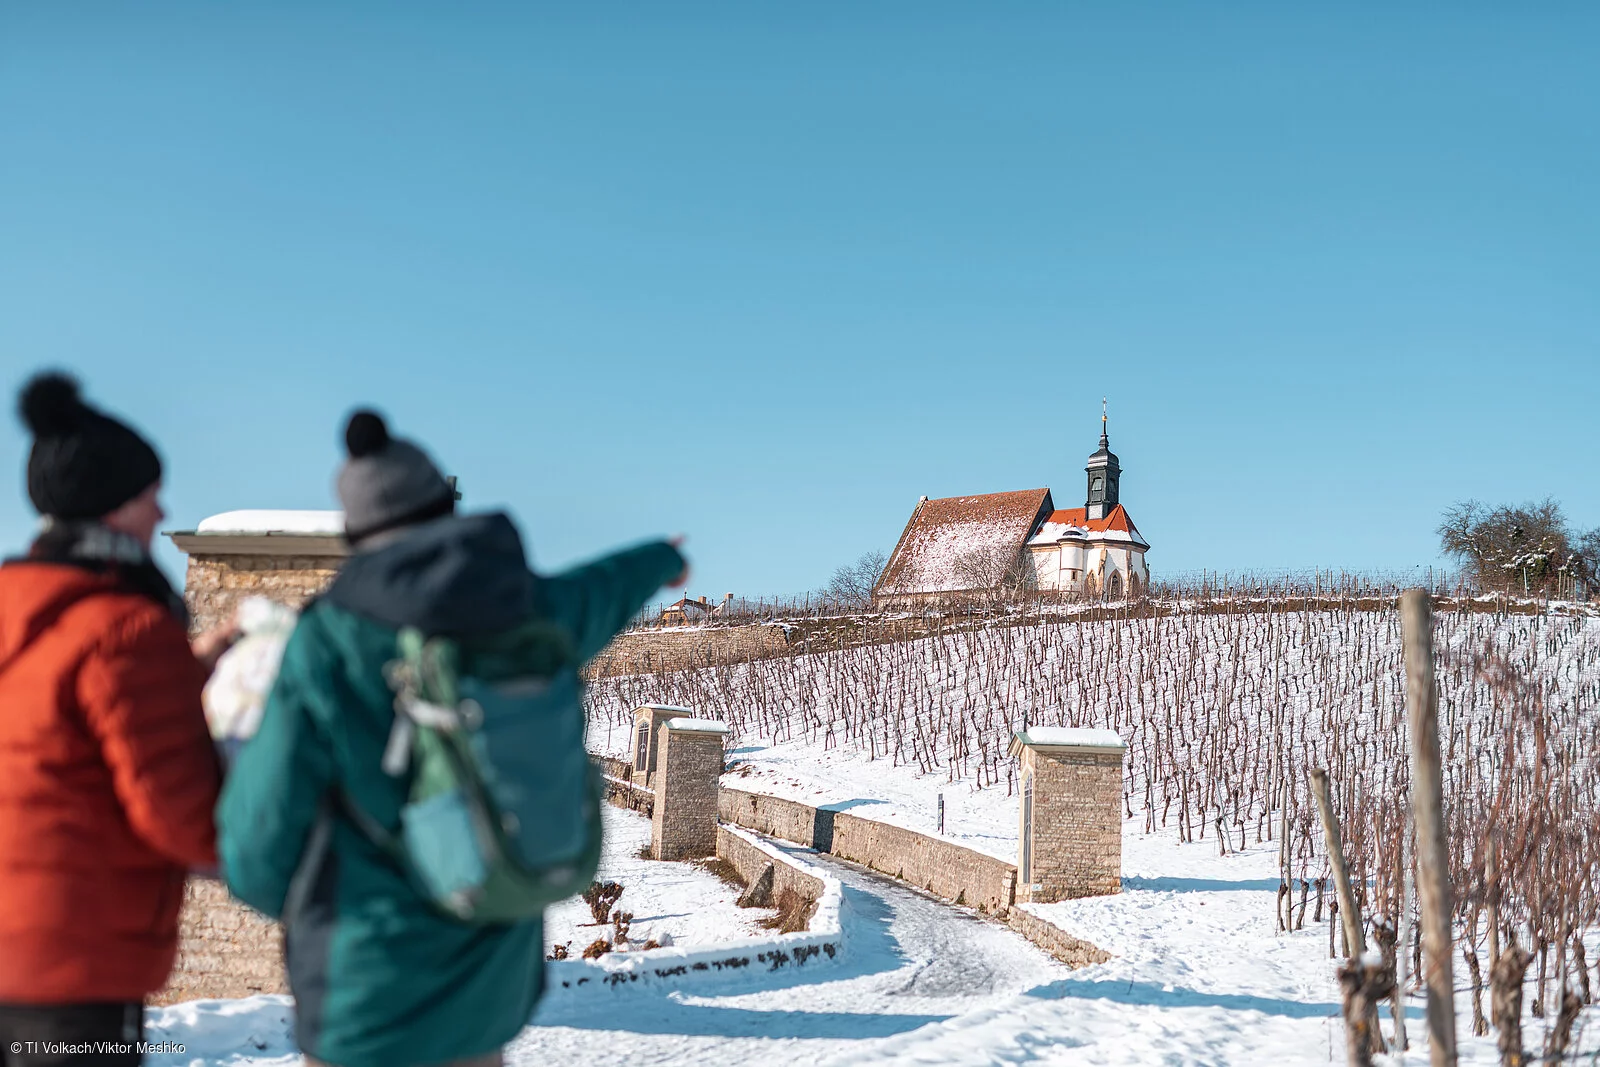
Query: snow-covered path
(911, 962)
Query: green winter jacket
(381, 979)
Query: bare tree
(1586, 558)
(1525, 549)
(998, 570)
(852, 583)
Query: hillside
(1224, 712)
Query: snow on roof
(1075, 523)
(697, 726)
(1073, 736)
(666, 707)
(302, 523)
(942, 532)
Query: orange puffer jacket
(107, 784)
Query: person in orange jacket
(108, 776)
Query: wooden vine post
(1427, 809)
(1348, 911)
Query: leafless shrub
(1525, 549)
(600, 896)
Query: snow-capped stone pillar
(287, 556)
(1069, 839)
(688, 767)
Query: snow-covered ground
(680, 904)
(1199, 977)
(909, 962)
(1199, 974)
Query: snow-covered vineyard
(1224, 713)
(1223, 945)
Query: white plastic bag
(236, 695)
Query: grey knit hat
(387, 482)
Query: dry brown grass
(793, 913)
(723, 870)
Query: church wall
(1054, 567)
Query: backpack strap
(369, 827)
(311, 858)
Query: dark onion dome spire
(1104, 475)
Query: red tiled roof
(942, 531)
(1117, 522)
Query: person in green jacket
(380, 978)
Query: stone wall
(789, 820)
(612, 768)
(216, 584)
(1073, 951)
(748, 862)
(643, 651)
(949, 871)
(225, 949)
(1077, 825)
(626, 794)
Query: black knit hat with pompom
(387, 483)
(84, 463)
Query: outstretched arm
(595, 601)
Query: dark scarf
(103, 550)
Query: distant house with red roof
(962, 545)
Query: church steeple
(1104, 473)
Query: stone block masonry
(216, 584)
(1069, 829)
(748, 861)
(949, 871)
(689, 764)
(644, 651)
(1073, 951)
(225, 949)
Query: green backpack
(503, 813)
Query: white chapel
(1091, 550)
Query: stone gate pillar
(688, 766)
(287, 556)
(1069, 838)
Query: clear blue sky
(767, 273)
